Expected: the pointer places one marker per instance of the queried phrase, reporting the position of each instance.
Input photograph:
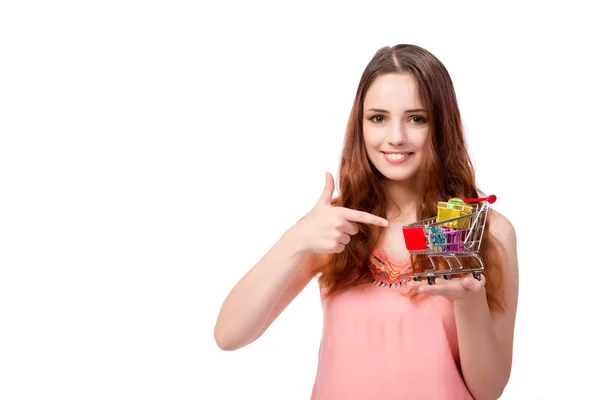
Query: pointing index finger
(364, 217)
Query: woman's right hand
(327, 228)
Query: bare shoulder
(501, 227)
(504, 231)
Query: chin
(399, 177)
(396, 174)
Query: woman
(404, 151)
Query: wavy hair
(447, 172)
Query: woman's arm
(485, 338)
(256, 300)
(266, 290)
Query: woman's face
(395, 126)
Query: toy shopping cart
(450, 239)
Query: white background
(151, 152)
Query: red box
(414, 238)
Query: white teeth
(396, 156)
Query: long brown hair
(447, 172)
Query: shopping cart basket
(449, 240)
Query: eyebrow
(407, 111)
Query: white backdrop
(151, 152)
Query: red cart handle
(491, 199)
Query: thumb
(328, 191)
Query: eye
(420, 120)
(377, 118)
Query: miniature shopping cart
(450, 240)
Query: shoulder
(503, 230)
(501, 227)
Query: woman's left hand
(453, 289)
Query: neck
(403, 201)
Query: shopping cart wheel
(447, 277)
(431, 280)
(477, 275)
(416, 278)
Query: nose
(397, 134)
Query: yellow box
(447, 210)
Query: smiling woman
(404, 151)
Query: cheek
(420, 140)
(370, 139)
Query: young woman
(404, 151)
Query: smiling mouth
(397, 157)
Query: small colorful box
(436, 240)
(414, 238)
(453, 239)
(453, 208)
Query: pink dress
(377, 344)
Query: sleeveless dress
(377, 344)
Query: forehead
(393, 92)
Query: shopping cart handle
(491, 199)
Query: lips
(397, 157)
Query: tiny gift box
(454, 208)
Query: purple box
(453, 239)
